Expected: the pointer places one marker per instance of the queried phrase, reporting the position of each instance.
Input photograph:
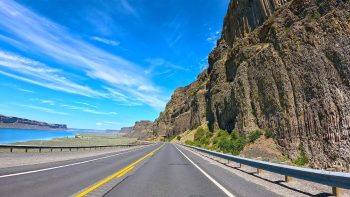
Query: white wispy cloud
(54, 41)
(176, 28)
(213, 37)
(160, 66)
(86, 104)
(34, 72)
(48, 102)
(105, 41)
(16, 87)
(104, 123)
(128, 8)
(44, 109)
(92, 111)
(203, 63)
(25, 90)
(87, 110)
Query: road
(158, 170)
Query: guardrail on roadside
(336, 180)
(40, 148)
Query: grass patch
(268, 133)
(198, 87)
(302, 158)
(253, 136)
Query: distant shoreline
(8, 122)
(10, 135)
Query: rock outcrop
(185, 110)
(125, 130)
(20, 123)
(141, 130)
(279, 65)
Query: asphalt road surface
(157, 170)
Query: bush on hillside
(202, 137)
(178, 138)
(302, 158)
(268, 133)
(253, 136)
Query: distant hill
(125, 130)
(21, 123)
(141, 130)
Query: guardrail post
(70, 149)
(258, 171)
(61, 149)
(336, 191)
(239, 165)
(11, 149)
(51, 149)
(39, 150)
(287, 179)
(26, 150)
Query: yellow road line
(126, 171)
(118, 174)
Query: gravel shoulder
(274, 182)
(21, 159)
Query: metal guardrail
(30, 147)
(335, 179)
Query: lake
(21, 135)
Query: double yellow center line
(118, 174)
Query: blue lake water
(21, 135)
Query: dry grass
(264, 149)
(87, 139)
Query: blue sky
(101, 64)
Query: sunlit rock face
(280, 65)
(142, 129)
(186, 109)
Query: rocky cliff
(279, 65)
(141, 130)
(125, 130)
(185, 110)
(20, 123)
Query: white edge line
(67, 165)
(207, 175)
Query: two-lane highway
(65, 179)
(158, 170)
(175, 171)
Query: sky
(97, 64)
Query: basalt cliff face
(279, 65)
(185, 110)
(20, 123)
(141, 130)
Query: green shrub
(238, 142)
(316, 15)
(302, 158)
(268, 133)
(178, 138)
(253, 136)
(189, 142)
(229, 143)
(202, 137)
(232, 143)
